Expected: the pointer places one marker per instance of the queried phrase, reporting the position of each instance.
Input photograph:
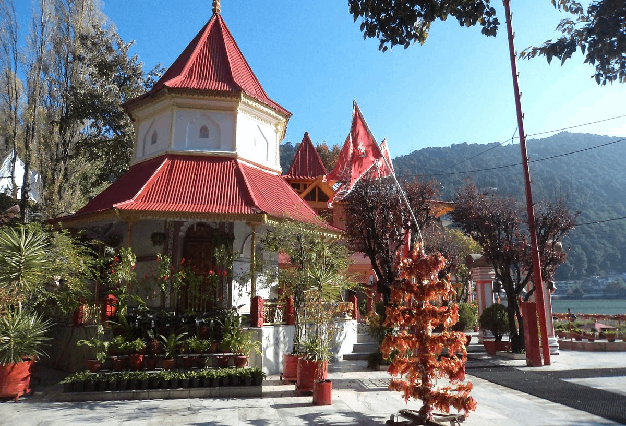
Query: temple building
(205, 171)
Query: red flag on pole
(359, 155)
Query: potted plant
(99, 347)
(170, 348)
(610, 335)
(22, 336)
(313, 369)
(136, 349)
(118, 348)
(154, 351)
(495, 319)
(578, 334)
(241, 344)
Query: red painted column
(256, 312)
(531, 334)
(355, 307)
(290, 312)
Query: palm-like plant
(171, 343)
(22, 334)
(23, 261)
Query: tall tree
(35, 64)
(498, 224)
(79, 72)
(600, 34)
(10, 96)
(404, 23)
(328, 155)
(377, 222)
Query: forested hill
(587, 171)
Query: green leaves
(22, 334)
(404, 23)
(24, 263)
(599, 33)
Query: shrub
(467, 317)
(495, 319)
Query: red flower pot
(322, 392)
(491, 346)
(151, 362)
(118, 364)
(93, 365)
(222, 360)
(240, 360)
(188, 361)
(309, 372)
(136, 361)
(290, 369)
(15, 379)
(168, 364)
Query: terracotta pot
(309, 372)
(151, 362)
(168, 364)
(93, 365)
(222, 360)
(200, 361)
(136, 361)
(188, 361)
(118, 364)
(290, 369)
(15, 379)
(492, 346)
(240, 360)
(322, 392)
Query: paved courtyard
(360, 397)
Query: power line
(501, 143)
(516, 164)
(601, 221)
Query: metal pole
(537, 280)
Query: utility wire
(517, 164)
(600, 221)
(517, 137)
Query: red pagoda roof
(307, 163)
(201, 184)
(213, 62)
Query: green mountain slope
(590, 177)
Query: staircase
(365, 345)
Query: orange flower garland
(418, 361)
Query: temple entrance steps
(365, 345)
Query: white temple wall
(257, 141)
(203, 130)
(153, 135)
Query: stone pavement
(360, 397)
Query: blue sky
(311, 58)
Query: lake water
(590, 306)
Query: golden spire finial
(216, 7)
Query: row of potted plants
(579, 334)
(86, 381)
(128, 353)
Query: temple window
(154, 138)
(204, 132)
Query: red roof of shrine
(307, 163)
(213, 62)
(201, 184)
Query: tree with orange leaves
(418, 359)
